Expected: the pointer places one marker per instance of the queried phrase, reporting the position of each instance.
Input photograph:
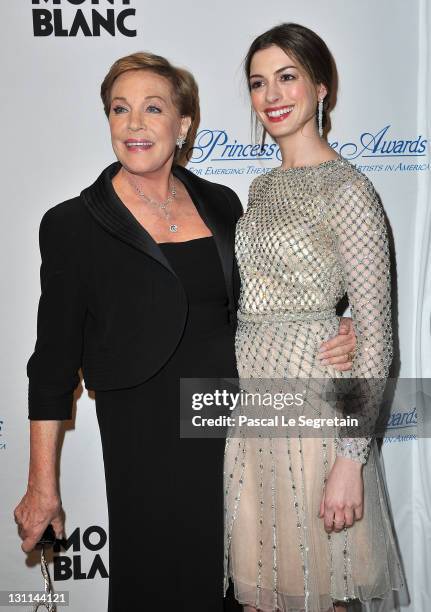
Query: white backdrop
(55, 142)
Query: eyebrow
(276, 72)
(146, 98)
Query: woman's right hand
(35, 512)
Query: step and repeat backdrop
(55, 142)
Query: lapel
(210, 200)
(110, 212)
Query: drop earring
(180, 141)
(320, 117)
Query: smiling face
(144, 121)
(282, 94)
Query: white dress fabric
(309, 235)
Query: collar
(210, 199)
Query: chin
(282, 131)
(279, 131)
(143, 166)
(137, 166)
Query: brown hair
(185, 93)
(309, 50)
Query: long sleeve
(53, 367)
(358, 224)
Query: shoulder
(215, 189)
(345, 177)
(233, 199)
(69, 211)
(350, 193)
(260, 184)
(66, 220)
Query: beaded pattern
(309, 235)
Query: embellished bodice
(309, 235)
(285, 245)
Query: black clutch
(48, 539)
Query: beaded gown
(309, 235)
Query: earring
(180, 141)
(320, 117)
(258, 132)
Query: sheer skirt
(277, 552)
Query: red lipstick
(276, 114)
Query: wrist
(46, 489)
(349, 463)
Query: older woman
(139, 288)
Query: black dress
(165, 493)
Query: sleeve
(358, 224)
(53, 367)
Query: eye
(256, 84)
(153, 109)
(117, 110)
(287, 77)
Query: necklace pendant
(173, 228)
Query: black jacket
(110, 301)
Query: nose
(136, 121)
(273, 92)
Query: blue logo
(402, 420)
(216, 146)
(407, 419)
(382, 145)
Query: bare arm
(44, 440)
(41, 503)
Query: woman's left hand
(343, 496)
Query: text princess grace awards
(378, 150)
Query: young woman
(306, 519)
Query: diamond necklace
(162, 206)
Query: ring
(350, 355)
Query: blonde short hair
(185, 93)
